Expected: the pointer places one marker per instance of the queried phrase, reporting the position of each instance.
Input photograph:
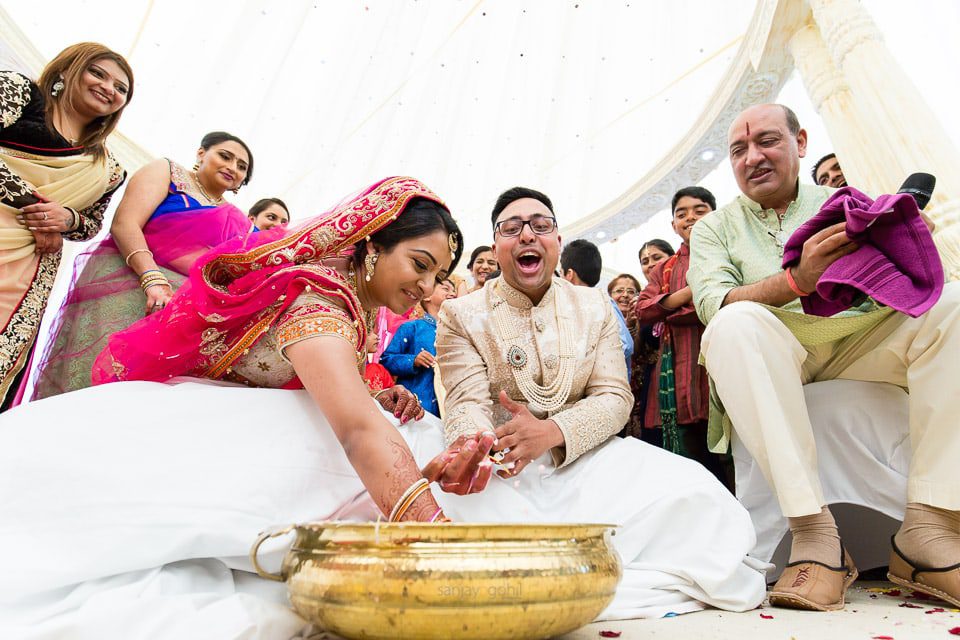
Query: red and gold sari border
(342, 227)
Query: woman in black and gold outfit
(56, 180)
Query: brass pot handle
(263, 537)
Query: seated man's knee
(946, 312)
(951, 294)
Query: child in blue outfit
(411, 354)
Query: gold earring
(371, 262)
(196, 167)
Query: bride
(127, 509)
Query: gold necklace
(203, 192)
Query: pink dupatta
(237, 291)
(105, 296)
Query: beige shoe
(812, 585)
(940, 583)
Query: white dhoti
(759, 369)
(682, 536)
(129, 509)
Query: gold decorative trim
(21, 330)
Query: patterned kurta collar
(516, 298)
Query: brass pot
(417, 580)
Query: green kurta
(742, 243)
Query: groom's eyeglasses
(540, 225)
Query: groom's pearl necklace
(553, 396)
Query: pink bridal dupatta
(236, 292)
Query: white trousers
(759, 369)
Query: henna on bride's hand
(464, 467)
(402, 403)
(410, 408)
(398, 477)
(422, 509)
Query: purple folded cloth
(897, 263)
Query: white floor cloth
(127, 511)
(863, 448)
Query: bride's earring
(370, 262)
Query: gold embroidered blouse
(474, 369)
(311, 315)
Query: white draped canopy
(579, 99)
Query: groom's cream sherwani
(472, 355)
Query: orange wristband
(793, 284)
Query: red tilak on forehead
(748, 127)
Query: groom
(538, 361)
(531, 356)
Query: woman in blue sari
(169, 217)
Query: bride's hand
(401, 402)
(464, 467)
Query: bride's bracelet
(409, 496)
(410, 500)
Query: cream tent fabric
(579, 99)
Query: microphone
(920, 186)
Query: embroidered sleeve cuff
(312, 325)
(584, 427)
(465, 421)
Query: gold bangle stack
(152, 278)
(413, 492)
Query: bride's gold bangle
(406, 499)
(410, 500)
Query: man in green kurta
(760, 348)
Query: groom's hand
(525, 435)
